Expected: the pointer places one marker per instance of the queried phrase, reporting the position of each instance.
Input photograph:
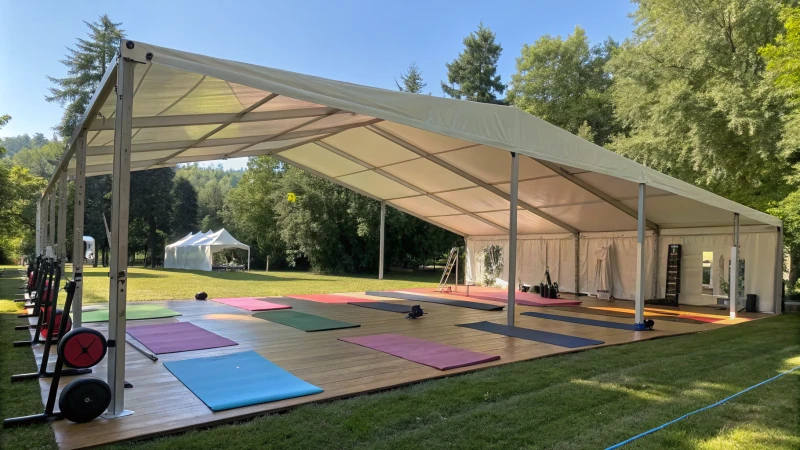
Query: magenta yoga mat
(251, 304)
(438, 356)
(177, 337)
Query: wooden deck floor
(163, 405)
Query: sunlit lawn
(169, 284)
(586, 400)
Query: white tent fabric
(195, 251)
(444, 160)
(602, 275)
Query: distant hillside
(14, 144)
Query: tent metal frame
(120, 77)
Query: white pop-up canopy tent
(493, 174)
(195, 252)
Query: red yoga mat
(328, 298)
(177, 337)
(438, 356)
(251, 304)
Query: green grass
(585, 400)
(169, 284)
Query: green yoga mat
(133, 312)
(303, 321)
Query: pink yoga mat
(497, 295)
(438, 356)
(177, 337)
(328, 298)
(250, 304)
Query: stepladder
(452, 261)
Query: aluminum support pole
(78, 255)
(640, 261)
(382, 237)
(512, 239)
(118, 273)
(733, 286)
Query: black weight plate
(82, 348)
(84, 399)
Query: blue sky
(364, 42)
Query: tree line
(705, 91)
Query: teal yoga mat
(303, 321)
(237, 380)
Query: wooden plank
(163, 405)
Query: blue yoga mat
(562, 340)
(240, 379)
(582, 321)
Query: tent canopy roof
(220, 241)
(443, 160)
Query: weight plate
(82, 348)
(46, 326)
(84, 399)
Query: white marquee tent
(493, 174)
(195, 251)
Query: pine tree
(473, 75)
(412, 80)
(86, 64)
(184, 217)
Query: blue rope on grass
(628, 441)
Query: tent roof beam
(411, 186)
(583, 184)
(493, 189)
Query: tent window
(708, 273)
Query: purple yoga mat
(438, 356)
(251, 304)
(177, 337)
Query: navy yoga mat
(393, 307)
(240, 379)
(582, 321)
(562, 340)
(442, 301)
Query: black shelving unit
(673, 290)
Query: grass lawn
(585, 400)
(172, 284)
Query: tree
(783, 69)
(473, 75)
(86, 64)
(41, 161)
(20, 190)
(14, 144)
(564, 81)
(185, 213)
(690, 88)
(783, 60)
(4, 119)
(412, 80)
(151, 204)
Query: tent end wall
(760, 248)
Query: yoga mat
(250, 304)
(132, 312)
(582, 321)
(602, 312)
(443, 301)
(393, 307)
(328, 298)
(240, 379)
(523, 298)
(438, 356)
(562, 340)
(177, 337)
(303, 321)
